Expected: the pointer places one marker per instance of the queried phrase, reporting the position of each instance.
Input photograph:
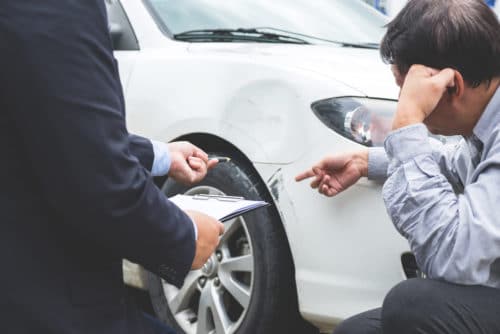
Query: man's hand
(189, 163)
(336, 173)
(209, 230)
(422, 90)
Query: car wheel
(248, 285)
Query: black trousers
(425, 306)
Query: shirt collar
(490, 119)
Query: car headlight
(366, 121)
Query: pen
(219, 158)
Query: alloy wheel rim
(215, 298)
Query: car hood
(357, 68)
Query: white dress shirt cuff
(162, 161)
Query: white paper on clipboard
(222, 208)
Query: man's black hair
(460, 34)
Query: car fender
(262, 110)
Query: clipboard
(222, 208)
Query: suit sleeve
(61, 90)
(142, 149)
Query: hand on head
(421, 92)
(189, 163)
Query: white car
(274, 85)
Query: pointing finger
(305, 175)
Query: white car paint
(258, 98)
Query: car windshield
(347, 21)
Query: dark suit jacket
(75, 193)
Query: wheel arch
(213, 143)
(210, 142)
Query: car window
(121, 31)
(348, 21)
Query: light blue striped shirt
(442, 199)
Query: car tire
(272, 305)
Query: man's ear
(459, 85)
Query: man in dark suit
(76, 195)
